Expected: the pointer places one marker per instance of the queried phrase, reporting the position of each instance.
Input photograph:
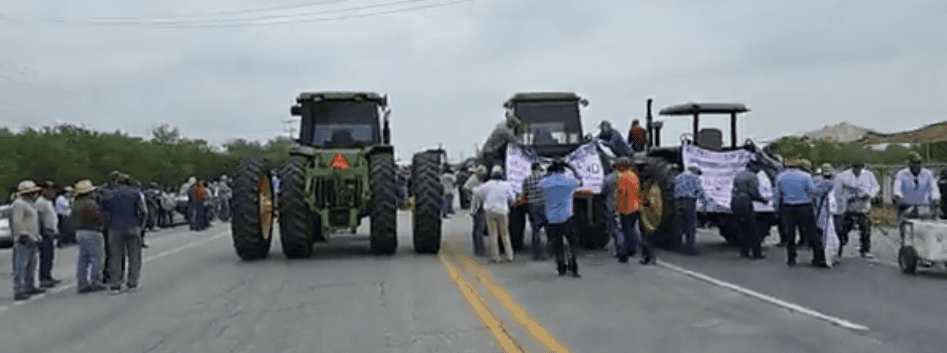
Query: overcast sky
(221, 69)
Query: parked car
(6, 238)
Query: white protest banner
(588, 164)
(718, 170)
(518, 166)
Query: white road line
(144, 260)
(780, 303)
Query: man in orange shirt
(628, 204)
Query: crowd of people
(107, 223)
(816, 209)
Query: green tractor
(340, 170)
(550, 126)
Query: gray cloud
(798, 65)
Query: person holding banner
(612, 138)
(537, 209)
(558, 190)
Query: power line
(267, 20)
(228, 12)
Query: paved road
(197, 296)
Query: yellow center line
(506, 341)
(529, 324)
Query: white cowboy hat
(84, 187)
(27, 186)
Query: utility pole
(292, 127)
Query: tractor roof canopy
(704, 108)
(339, 119)
(709, 138)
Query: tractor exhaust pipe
(649, 123)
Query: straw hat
(84, 187)
(26, 187)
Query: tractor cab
(342, 119)
(550, 123)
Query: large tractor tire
(657, 216)
(384, 214)
(252, 224)
(428, 201)
(296, 221)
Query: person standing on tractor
(558, 191)
(497, 195)
(915, 190)
(794, 193)
(628, 203)
(537, 210)
(637, 136)
(861, 186)
(612, 138)
(494, 147)
(476, 209)
(687, 190)
(746, 190)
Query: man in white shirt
(497, 196)
(858, 186)
(916, 190)
(49, 230)
(63, 210)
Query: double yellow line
(471, 269)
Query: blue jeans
(537, 220)
(91, 257)
(479, 227)
(687, 216)
(448, 205)
(611, 225)
(24, 266)
(629, 226)
(47, 251)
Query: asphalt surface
(197, 296)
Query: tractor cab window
(550, 122)
(341, 124)
(542, 134)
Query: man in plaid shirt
(537, 209)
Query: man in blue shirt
(794, 198)
(687, 190)
(558, 190)
(612, 138)
(125, 213)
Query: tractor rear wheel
(428, 201)
(384, 216)
(296, 222)
(657, 218)
(252, 224)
